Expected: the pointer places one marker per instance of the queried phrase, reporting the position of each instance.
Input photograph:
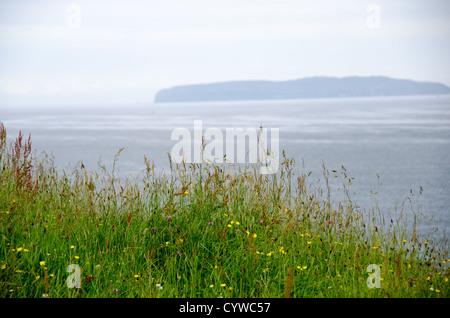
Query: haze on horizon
(100, 52)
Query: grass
(200, 231)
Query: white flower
(159, 286)
(431, 288)
(44, 295)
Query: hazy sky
(53, 52)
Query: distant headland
(309, 87)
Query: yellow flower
(71, 246)
(136, 276)
(445, 279)
(237, 223)
(77, 257)
(3, 267)
(229, 225)
(309, 242)
(248, 233)
(211, 286)
(25, 250)
(254, 235)
(19, 249)
(223, 285)
(425, 243)
(42, 263)
(186, 192)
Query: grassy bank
(200, 231)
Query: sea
(396, 149)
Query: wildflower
(113, 229)
(136, 276)
(169, 218)
(210, 223)
(77, 257)
(115, 291)
(248, 233)
(425, 243)
(159, 286)
(72, 247)
(19, 249)
(232, 222)
(261, 222)
(153, 229)
(44, 295)
(167, 243)
(445, 279)
(237, 223)
(3, 266)
(186, 192)
(211, 286)
(229, 225)
(42, 263)
(309, 242)
(438, 291)
(431, 288)
(223, 285)
(254, 235)
(428, 278)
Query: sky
(124, 51)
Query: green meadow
(200, 230)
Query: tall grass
(199, 231)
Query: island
(309, 87)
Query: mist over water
(405, 140)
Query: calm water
(405, 140)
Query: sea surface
(392, 146)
